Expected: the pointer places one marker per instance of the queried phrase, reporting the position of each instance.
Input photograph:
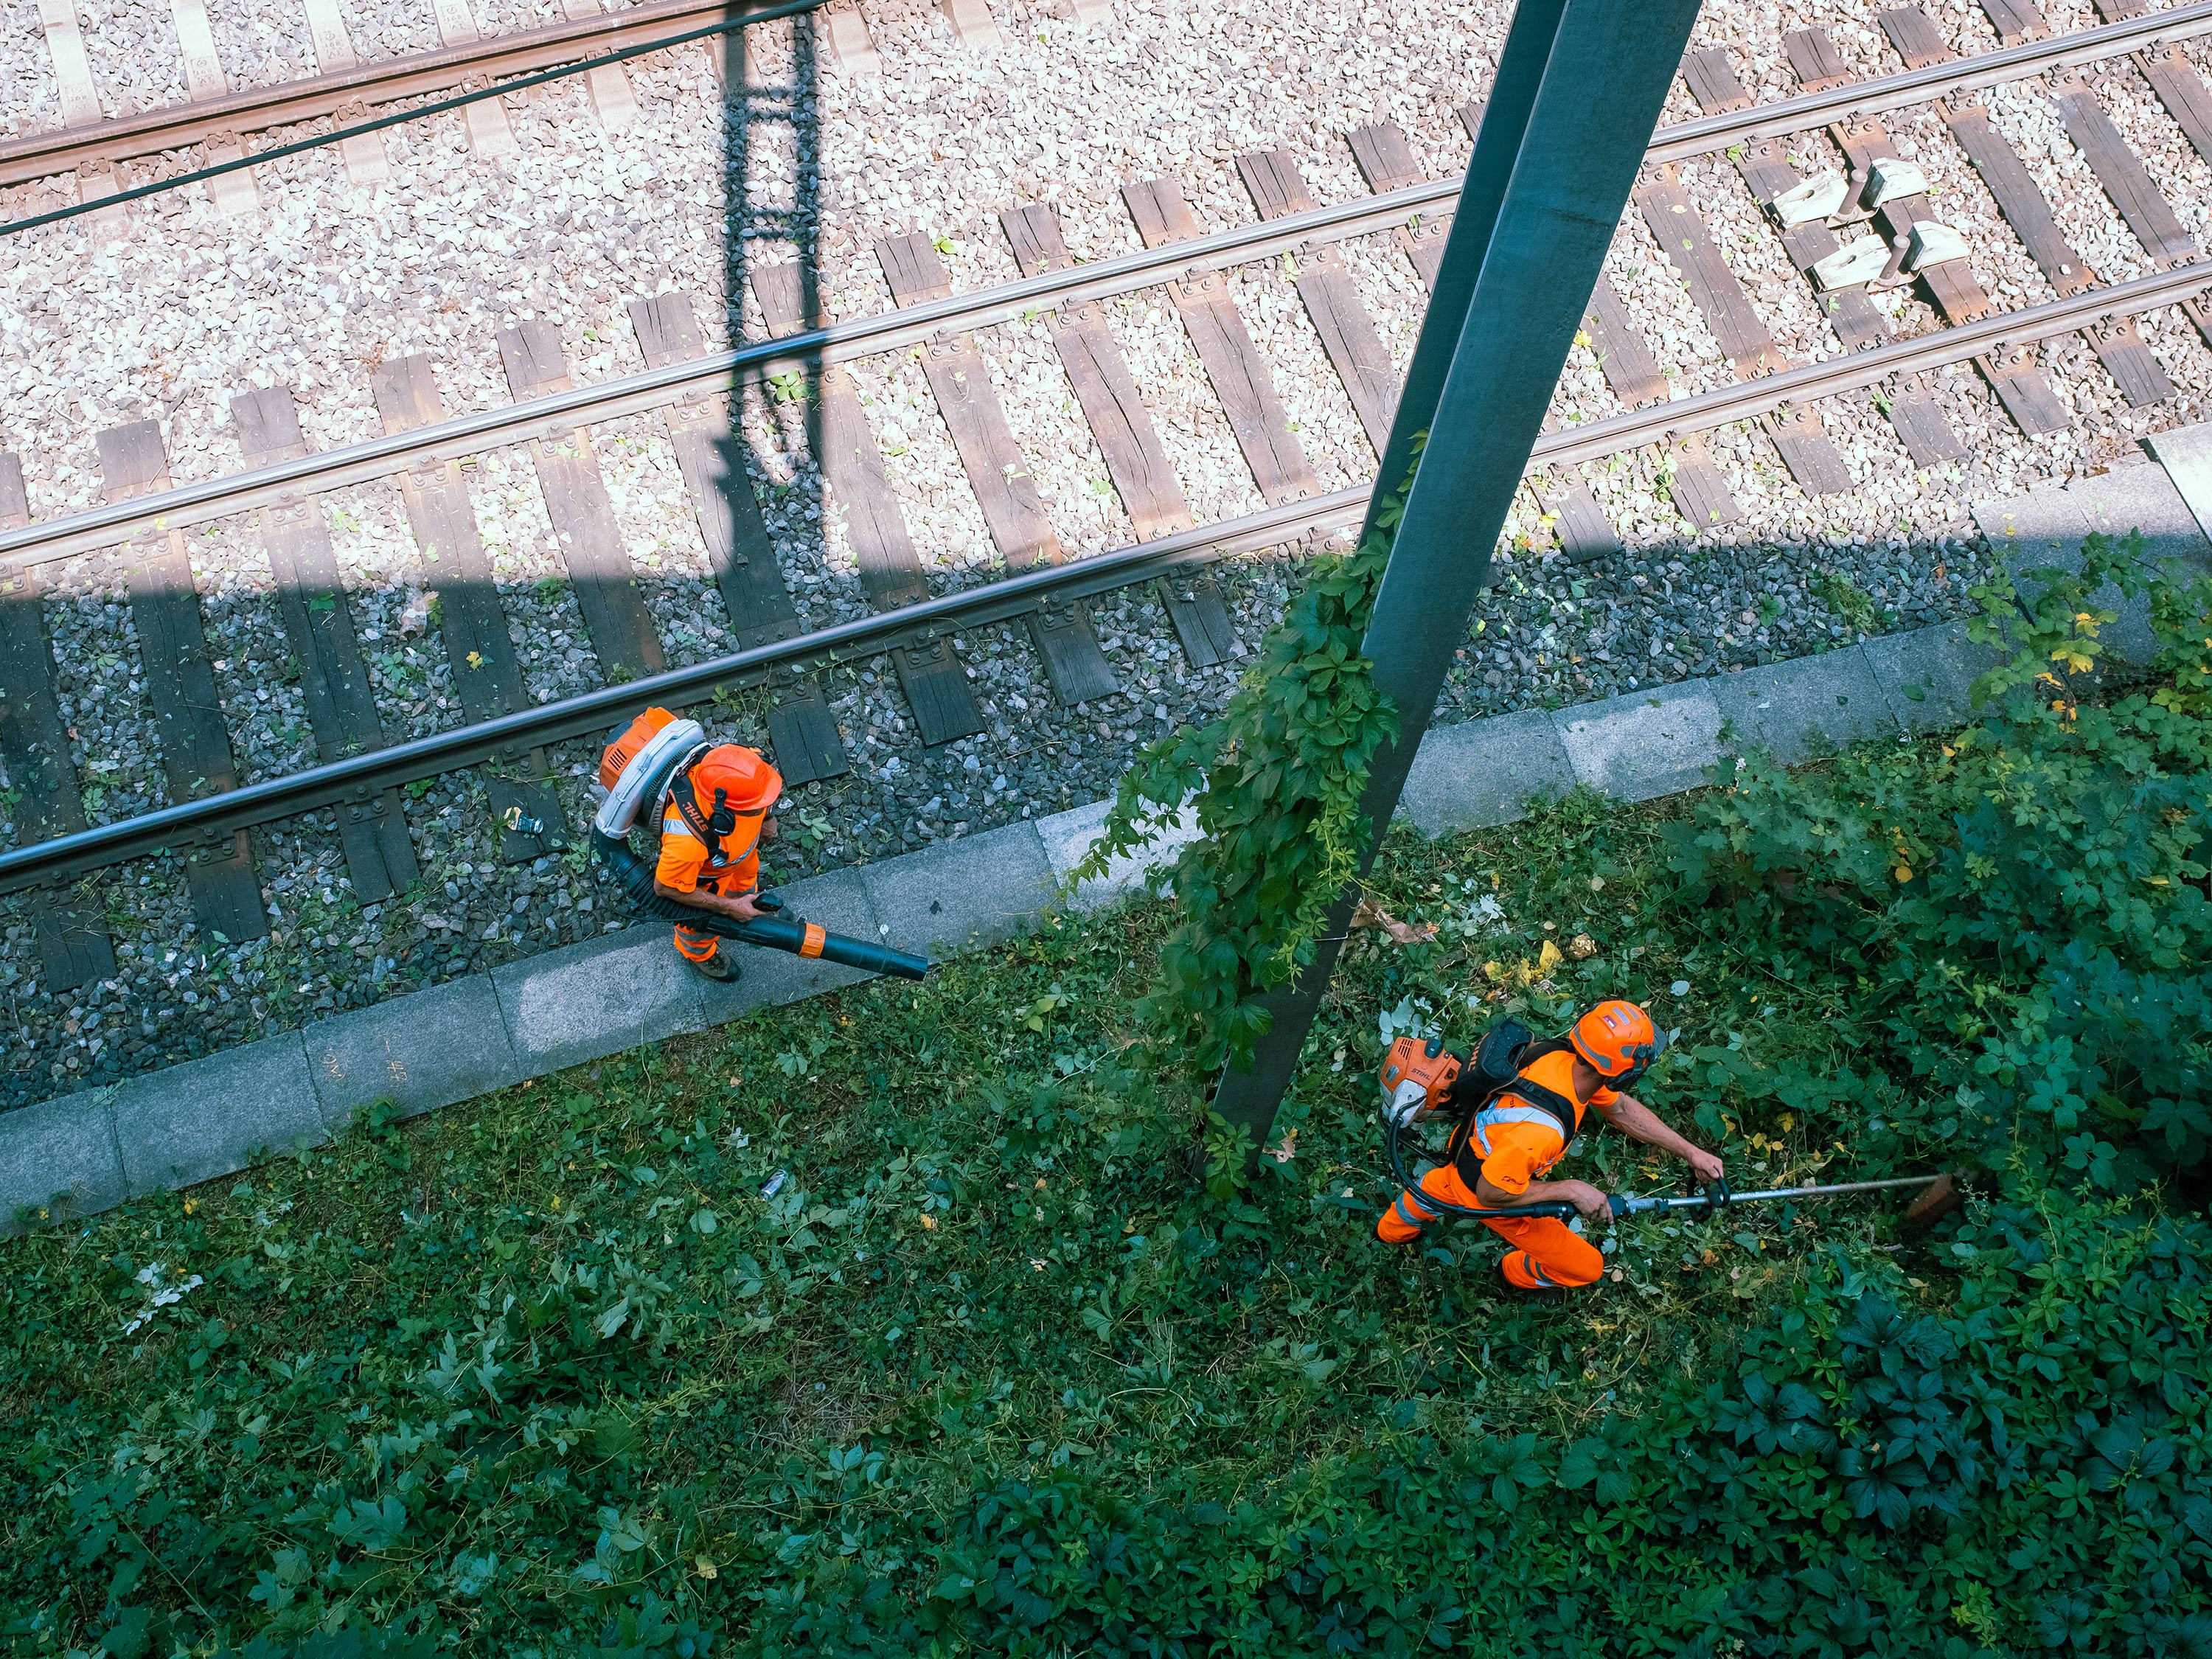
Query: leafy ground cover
(933, 1320)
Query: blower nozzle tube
(800, 938)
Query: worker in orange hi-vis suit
(715, 821)
(1510, 1140)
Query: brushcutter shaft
(1830, 1192)
(1629, 1204)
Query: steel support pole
(1578, 92)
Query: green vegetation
(1012, 1361)
(1275, 784)
(1848, 601)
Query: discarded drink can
(774, 1183)
(513, 819)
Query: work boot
(718, 968)
(1526, 1292)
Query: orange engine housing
(1429, 1064)
(617, 755)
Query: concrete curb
(81, 1153)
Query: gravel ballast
(189, 308)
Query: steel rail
(384, 81)
(890, 331)
(651, 389)
(1953, 76)
(1702, 410)
(413, 112)
(360, 777)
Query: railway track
(340, 782)
(1840, 123)
(1291, 233)
(90, 145)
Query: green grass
(1011, 1361)
(496, 1372)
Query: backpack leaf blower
(640, 762)
(1421, 1079)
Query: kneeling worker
(1510, 1140)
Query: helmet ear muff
(1628, 1062)
(1640, 1058)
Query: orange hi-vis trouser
(1549, 1257)
(695, 944)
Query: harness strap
(1492, 1117)
(710, 828)
(1555, 1108)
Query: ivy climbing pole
(1294, 784)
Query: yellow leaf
(929, 1221)
(1549, 957)
(1582, 337)
(476, 659)
(1902, 873)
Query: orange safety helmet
(726, 784)
(735, 777)
(1618, 1039)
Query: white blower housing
(645, 781)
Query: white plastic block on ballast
(1814, 199)
(1857, 262)
(1887, 179)
(1931, 244)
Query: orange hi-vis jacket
(1512, 1140)
(684, 863)
(730, 778)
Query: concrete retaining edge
(81, 1153)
